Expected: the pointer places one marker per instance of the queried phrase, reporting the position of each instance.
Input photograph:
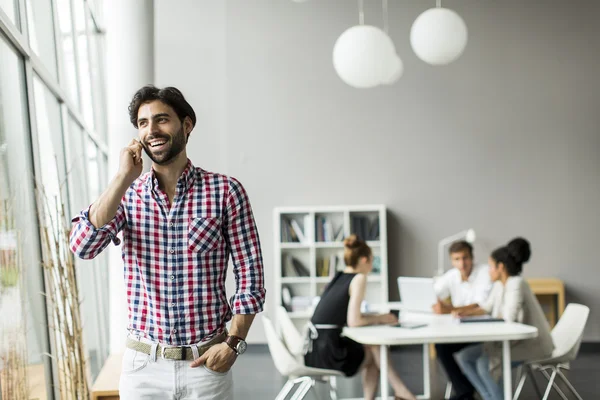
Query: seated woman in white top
(512, 300)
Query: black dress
(330, 350)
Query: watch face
(241, 347)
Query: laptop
(416, 294)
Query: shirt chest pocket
(204, 234)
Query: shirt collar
(186, 180)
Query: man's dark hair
(460, 246)
(170, 96)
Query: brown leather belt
(174, 352)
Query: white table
(440, 329)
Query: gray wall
(505, 140)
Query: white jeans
(145, 378)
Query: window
(68, 48)
(53, 120)
(21, 304)
(41, 32)
(83, 61)
(10, 8)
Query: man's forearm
(240, 325)
(105, 208)
(466, 308)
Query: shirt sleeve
(87, 241)
(441, 286)
(512, 307)
(488, 304)
(483, 286)
(244, 243)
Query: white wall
(505, 140)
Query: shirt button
(172, 251)
(171, 224)
(174, 330)
(172, 304)
(172, 277)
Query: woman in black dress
(340, 306)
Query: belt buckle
(181, 357)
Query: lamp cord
(385, 15)
(361, 12)
(438, 3)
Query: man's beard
(166, 156)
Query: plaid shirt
(176, 257)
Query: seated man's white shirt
(474, 290)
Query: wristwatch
(237, 344)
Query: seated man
(465, 285)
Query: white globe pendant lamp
(395, 70)
(438, 36)
(364, 56)
(361, 56)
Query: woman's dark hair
(513, 255)
(170, 96)
(354, 249)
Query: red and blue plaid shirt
(176, 255)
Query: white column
(130, 65)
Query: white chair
(293, 340)
(290, 367)
(566, 335)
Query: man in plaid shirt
(180, 224)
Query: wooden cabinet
(551, 295)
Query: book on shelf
(328, 266)
(298, 231)
(326, 231)
(292, 267)
(286, 297)
(292, 231)
(365, 228)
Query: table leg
(426, 374)
(383, 372)
(507, 370)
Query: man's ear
(187, 125)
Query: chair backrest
(285, 363)
(292, 338)
(568, 332)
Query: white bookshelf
(323, 243)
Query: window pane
(41, 32)
(88, 273)
(76, 167)
(84, 64)
(95, 41)
(10, 8)
(67, 43)
(23, 340)
(49, 135)
(93, 169)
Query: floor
(255, 376)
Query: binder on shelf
(301, 270)
(286, 297)
(298, 231)
(364, 228)
(288, 269)
(292, 267)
